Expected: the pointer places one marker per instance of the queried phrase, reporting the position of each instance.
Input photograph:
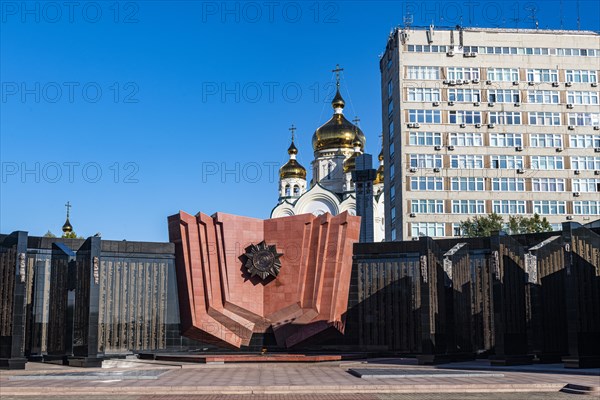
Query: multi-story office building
(489, 120)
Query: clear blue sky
(157, 96)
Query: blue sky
(133, 111)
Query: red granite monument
(238, 276)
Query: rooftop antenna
(408, 20)
(430, 34)
(516, 20)
(561, 15)
(578, 17)
(532, 15)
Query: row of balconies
(517, 148)
(454, 82)
(414, 215)
(519, 170)
(492, 104)
(451, 53)
(479, 125)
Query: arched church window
(287, 190)
(296, 190)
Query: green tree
(481, 226)
(49, 234)
(69, 235)
(518, 224)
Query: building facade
(478, 120)
(336, 144)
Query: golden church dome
(67, 227)
(379, 175)
(338, 132)
(350, 163)
(292, 169)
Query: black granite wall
(510, 298)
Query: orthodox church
(336, 145)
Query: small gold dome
(292, 169)
(67, 227)
(292, 149)
(338, 101)
(338, 132)
(379, 176)
(350, 163)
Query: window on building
(542, 75)
(508, 184)
(583, 76)
(585, 163)
(506, 162)
(390, 107)
(464, 95)
(506, 139)
(546, 140)
(431, 229)
(390, 89)
(504, 96)
(423, 94)
(425, 138)
(463, 73)
(428, 183)
(549, 207)
(425, 116)
(584, 119)
(548, 184)
(427, 206)
(466, 161)
(466, 139)
(547, 162)
(544, 118)
(468, 206)
(586, 185)
(465, 184)
(586, 207)
(543, 96)
(582, 97)
(503, 74)
(464, 117)
(425, 160)
(422, 73)
(508, 206)
(505, 117)
(391, 130)
(585, 141)
(457, 230)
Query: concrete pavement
(162, 380)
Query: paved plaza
(133, 379)
(438, 396)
